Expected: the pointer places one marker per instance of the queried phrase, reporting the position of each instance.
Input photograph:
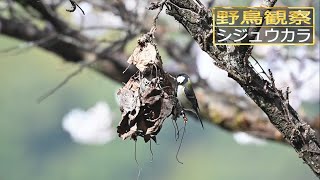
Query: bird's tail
(197, 113)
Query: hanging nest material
(148, 98)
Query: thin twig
(184, 130)
(135, 158)
(175, 127)
(66, 80)
(150, 147)
(157, 5)
(27, 45)
(185, 120)
(74, 7)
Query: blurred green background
(33, 145)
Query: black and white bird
(186, 96)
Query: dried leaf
(143, 56)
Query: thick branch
(72, 50)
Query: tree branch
(72, 50)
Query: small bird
(186, 96)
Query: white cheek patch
(180, 79)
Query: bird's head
(183, 79)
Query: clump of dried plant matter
(148, 98)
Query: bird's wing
(192, 97)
